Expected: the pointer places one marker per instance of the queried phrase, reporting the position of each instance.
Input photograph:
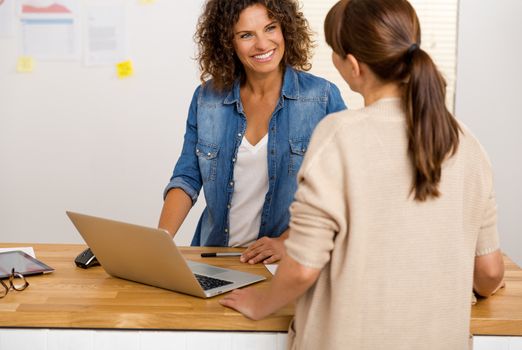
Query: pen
(217, 255)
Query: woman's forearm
(489, 273)
(290, 282)
(176, 206)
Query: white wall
(489, 101)
(78, 138)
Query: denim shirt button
(239, 134)
(226, 230)
(233, 160)
(229, 206)
(231, 183)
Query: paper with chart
(49, 30)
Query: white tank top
(250, 188)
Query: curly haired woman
(248, 126)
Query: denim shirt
(215, 127)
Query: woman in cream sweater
(394, 219)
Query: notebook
(150, 256)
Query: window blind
(438, 19)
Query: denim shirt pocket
(298, 149)
(207, 158)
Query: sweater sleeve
(319, 211)
(488, 240)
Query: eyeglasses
(16, 281)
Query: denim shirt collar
(290, 88)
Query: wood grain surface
(71, 297)
(501, 314)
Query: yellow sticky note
(25, 64)
(124, 69)
(147, 2)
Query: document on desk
(27, 250)
(272, 268)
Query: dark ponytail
(385, 35)
(432, 131)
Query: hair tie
(414, 47)
(409, 54)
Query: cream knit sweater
(396, 273)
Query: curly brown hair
(214, 37)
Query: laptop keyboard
(209, 282)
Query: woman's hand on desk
(266, 250)
(488, 276)
(248, 301)
(290, 281)
(500, 286)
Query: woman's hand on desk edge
(248, 301)
(266, 250)
(500, 286)
(290, 281)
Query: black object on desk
(86, 259)
(218, 255)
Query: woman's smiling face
(258, 41)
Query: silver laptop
(150, 256)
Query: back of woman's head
(385, 35)
(214, 35)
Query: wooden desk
(501, 314)
(72, 297)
